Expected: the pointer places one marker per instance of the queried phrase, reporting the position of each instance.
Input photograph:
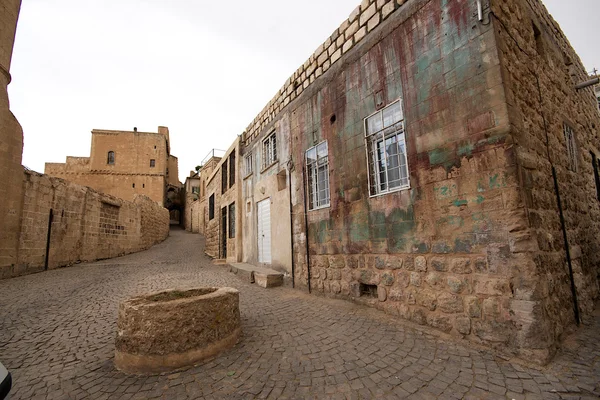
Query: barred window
(386, 150)
(248, 164)
(110, 159)
(195, 189)
(152, 163)
(317, 165)
(269, 150)
(571, 146)
(231, 220)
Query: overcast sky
(203, 68)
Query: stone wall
(11, 142)
(86, 225)
(540, 69)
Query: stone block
(439, 322)
(420, 264)
(387, 279)
(461, 265)
(427, 299)
(456, 285)
(415, 279)
(439, 264)
(381, 293)
(473, 306)
(367, 14)
(450, 303)
(268, 279)
(463, 325)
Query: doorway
(264, 231)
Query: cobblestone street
(57, 332)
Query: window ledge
(320, 208)
(248, 175)
(262, 171)
(400, 189)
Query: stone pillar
(11, 145)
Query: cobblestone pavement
(57, 333)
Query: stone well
(176, 328)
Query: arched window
(111, 158)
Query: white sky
(203, 68)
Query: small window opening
(110, 160)
(332, 119)
(152, 163)
(596, 168)
(368, 290)
(133, 186)
(143, 185)
(539, 42)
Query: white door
(264, 231)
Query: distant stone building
(597, 91)
(125, 164)
(432, 159)
(195, 192)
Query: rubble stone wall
(540, 70)
(86, 225)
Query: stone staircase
(262, 276)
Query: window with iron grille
(232, 169)
(231, 220)
(386, 150)
(211, 207)
(248, 164)
(110, 159)
(571, 146)
(317, 166)
(269, 148)
(195, 189)
(152, 163)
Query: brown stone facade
(222, 207)
(124, 164)
(85, 225)
(472, 242)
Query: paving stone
(57, 333)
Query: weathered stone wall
(11, 142)
(213, 229)
(86, 225)
(132, 173)
(540, 69)
(452, 251)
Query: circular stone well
(176, 328)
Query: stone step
(219, 261)
(262, 276)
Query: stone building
(597, 91)
(125, 164)
(222, 213)
(432, 159)
(195, 199)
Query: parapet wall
(86, 225)
(361, 21)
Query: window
(317, 165)
(232, 169)
(248, 164)
(231, 220)
(211, 207)
(596, 168)
(386, 150)
(571, 146)
(195, 189)
(224, 177)
(269, 148)
(152, 163)
(110, 159)
(133, 185)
